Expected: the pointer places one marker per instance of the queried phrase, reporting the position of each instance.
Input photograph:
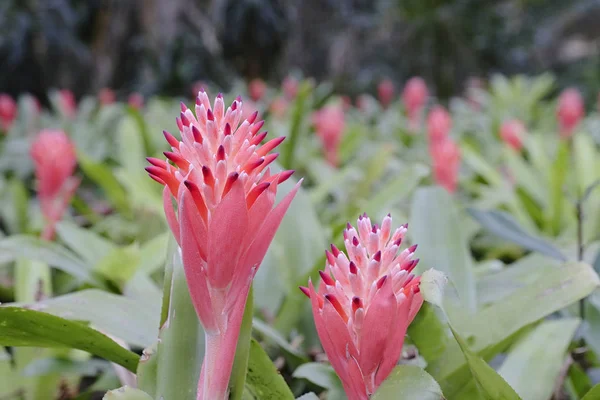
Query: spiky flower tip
(364, 304)
(225, 195)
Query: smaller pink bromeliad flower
(8, 112)
(512, 133)
(55, 160)
(385, 92)
(257, 88)
(439, 124)
(68, 103)
(136, 101)
(290, 87)
(569, 112)
(329, 125)
(446, 163)
(414, 97)
(364, 304)
(106, 96)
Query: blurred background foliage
(163, 47)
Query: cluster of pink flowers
(55, 160)
(512, 133)
(8, 112)
(329, 123)
(414, 97)
(569, 112)
(445, 154)
(364, 304)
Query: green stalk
(181, 346)
(237, 380)
(557, 181)
(287, 158)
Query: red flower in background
(136, 101)
(225, 219)
(512, 133)
(385, 92)
(290, 87)
(329, 125)
(8, 111)
(257, 89)
(55, 160)
(107, 96)
(444, 153)
(68, 103)
(439, 124)
(414, 97)
(279, 106)
(569, 112)
(364, 304)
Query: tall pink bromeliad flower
(414, 97)
(512, 133)
(225, 219)
(55, 160)
(8, 112)
(444, 153)
(569, 112)
(364, 304)
(439, 124)
(329, 125)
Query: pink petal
(170, 214)
(377, 328)
(193, 265)
(264, 236)
(228, 227)
(415, 306)
(260, 209)
(194, 222)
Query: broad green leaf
(239, 371)
(147, 370)
(539, 358)
(320, 374)
(153, 254)
(272, 334)
(134, 321)
(88, 245)
(526, 177)
(263, 380)
(287, 159)
(435, 227)
(22, 327)
(308, 396)
(503, 225)
(428, 333)
(47, 252)
(8, 376)
(409, 382)
(32, 280)
(554, 214)
(593, 394)
(126, 393)
(120, 264)
(104, 177)
(585, 160)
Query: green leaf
(120, 264)
(88, 245)
(263, 380)
(22, 327)
(147, 371)
(9, 378)
(272, 334)
(126, 393)
(428, 333)
(503, 225)
(287, 159)
(134, 321)
(593, 394)
(409, 382)
(242, 351)
(104, 177)
(308, 396)
(539, 358)
(435, 227)
(554, 215)
(320, 374)
(154, 253)
(47, 252)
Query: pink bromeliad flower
(8, 112)
(107, 96)
(68, 103)
(329, 125)
(439, 124)
(364, 304)
(290, 87)
(414, 97)
(257, 89)
(385, 92)
(225, 219)
(55, 160)
(446, 163)
(136, 101)
(570, 111)
(512, 133)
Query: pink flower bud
(257, 89)
(106, 96)
(224, 219)
(55, 160)
(136, 101)
(8, 112)
(290, 87)
(68, 104)
(365, 302)
(385, 92)
(414, 97)
(439, 124)
(512, 133)
(329, 125)
(446, 163)
(570, 111)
